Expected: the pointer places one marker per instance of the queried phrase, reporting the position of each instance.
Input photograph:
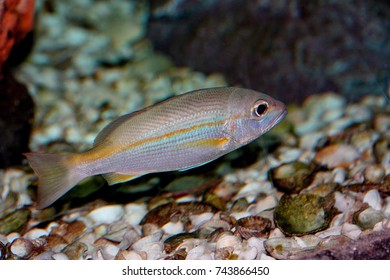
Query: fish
(177, 134)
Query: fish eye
(260, 108)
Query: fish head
(252, 114)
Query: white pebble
(21, 247)
(135, 212)
(12, 236)
(373, 199)
(351, 231)
(266, 203)
(248, 254)
(60, 256)
(374, 173)
(106, 214)
(228, 240)
(35, 233)
(173, 228)
(197, 220)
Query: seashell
(253, 226)
(373, 199)
(374, 173)
(106, 214)
(292, 177)
(227, 239)
(171, 243)
(351, 231)
(304, 213)
(239, 205)
(181, 211)
(337, 155)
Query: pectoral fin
(115, 178)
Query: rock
(304, 213)
(279, 47)
(106, 214)
(375, 246)
(15, 221)
(16, 117)
(337, 155)
(16, 20)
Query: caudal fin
(56, 176)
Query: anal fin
(115, 178)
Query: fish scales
(182, 132)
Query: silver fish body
(182, 132)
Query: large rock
(16, 20)
(289, 49)
(16, 117)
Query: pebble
(337, 155)
(21, 247)
(35, 233)
(351, 231)
(106, 214)
(373, 199)
(90, 89)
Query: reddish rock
(16, 20)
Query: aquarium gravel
(320, 180)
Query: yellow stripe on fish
(180, 133)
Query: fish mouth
(279, 117)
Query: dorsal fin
(108, 129)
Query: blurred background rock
(287, 48)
